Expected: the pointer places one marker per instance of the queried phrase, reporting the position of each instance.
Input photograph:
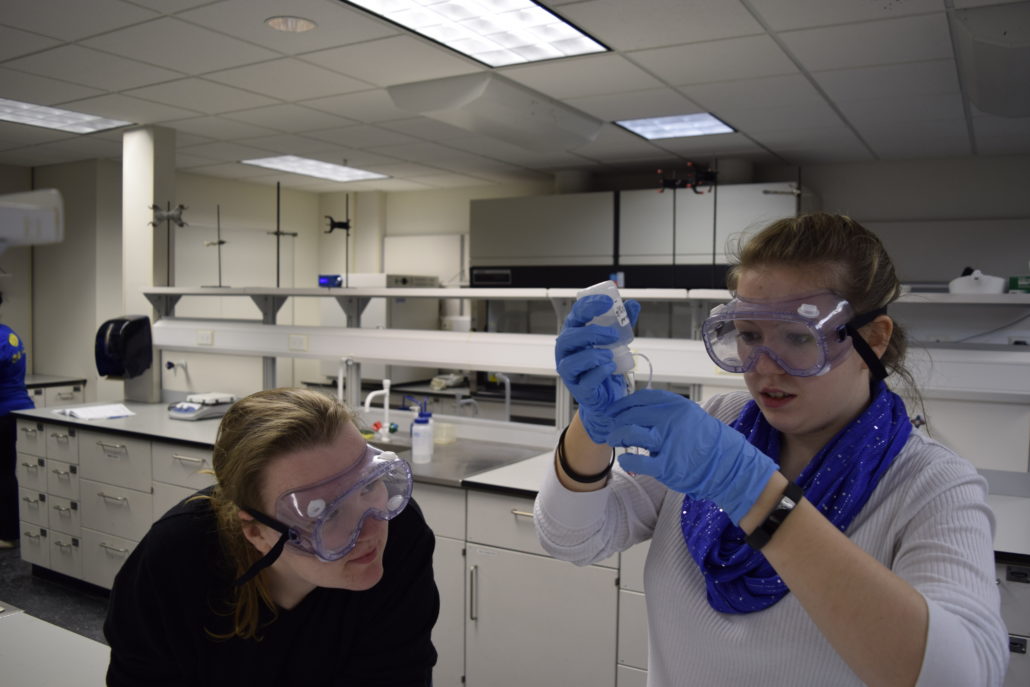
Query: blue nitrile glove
(588, 371)
(691, 451)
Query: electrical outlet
(298, 342)
(205, 337)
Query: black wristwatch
(761, 535)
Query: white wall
(16, 269)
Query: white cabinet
(743, 209)
(63, 394)
(993, 436)
(647, 227)
(444, 511)
(1014, 586)
(531, 619)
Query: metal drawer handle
(64, 545)
(473, 593)
(187, 459)
(66, 394)
(114, 447)
(61, 473)
(30, 466)
(29, 430)
(521, 513)
(58, 436)
(115, 549)
(64, 511)
(32, 535)
(32, 502)
(108, 497)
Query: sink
(396, 444)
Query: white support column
(148, 178)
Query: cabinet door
(102, 556)
(449, 632)
(62, 395)
(65, 554)
(695, 227)
(632, 630)
(744, 209)
(534, 620)
(646, 227)
(115, 459)
(182, 464)
(995, 436)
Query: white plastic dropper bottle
(615, 317)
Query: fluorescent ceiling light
(290, 24)
(495, 32)
(55, 118)
(677, 126)
(313, 168)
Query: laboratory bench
(91, 488)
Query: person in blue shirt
(13, 396)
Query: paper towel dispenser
(123, 347)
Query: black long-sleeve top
(175, 584)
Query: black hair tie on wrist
(572, 474)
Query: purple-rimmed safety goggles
(804, 336)
(324, 519)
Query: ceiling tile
(909, 39)
(578, 77)
(14, 42)
(14, 135)
(780, 117)
(615, 144)
(218, 128)
(224, 152)
(128, 109)
(694, 147)
(91, 68)
(362, 136)
(396, 60)
(338, 24)
(631, 25)
(72, 19)
(819, 144)
(367, 106)
(184, 47)
(655, 102)
(499, 150)
(40, 90)
(454, 181)
(732, 96)
(286, 144)
(289, 118)
(945, 138)
(231, 170)
(404, 169)
(423, 127)
(909, 79)
(170, 6)
(901, 109)
(288, 79)
(202, 95)
(782, 15)
(734, 58)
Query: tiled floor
(78, 608)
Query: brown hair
(849, 258)
(254, 432)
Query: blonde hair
(849, 259)
(254, 432)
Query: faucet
(470, 402)
(384, 430)
(500, 376)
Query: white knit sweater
(927, 520)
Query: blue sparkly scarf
(838, 481)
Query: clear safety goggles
(324, 519)
(805, 336)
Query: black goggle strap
(876, 368)
(273, 553)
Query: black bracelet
(572, 474)
(761, 535)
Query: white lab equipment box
(386, 313)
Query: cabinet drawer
(182, 464)
(62, 479)
(31, 438)
(62, 443)
(32, 507)
(443, 508)
(632, 630)
(631, 566)
(122, 512)
(115, 459)
(630, 677)
(65, 554)
(63, 395)
(35, 544)
(168, 495)
(1014, 587)
(507, 522)
(995, 436)
(65, 515)
(31, 472)
(102, 556)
